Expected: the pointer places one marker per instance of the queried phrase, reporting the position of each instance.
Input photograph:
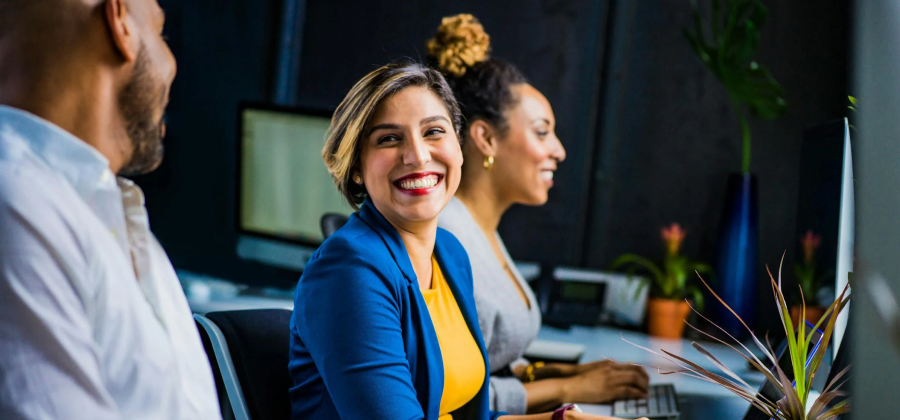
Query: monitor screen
(285, 187)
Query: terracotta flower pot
(666, 317)
(813, 313)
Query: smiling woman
(384, 323)
(387, 295)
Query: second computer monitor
(284, 188)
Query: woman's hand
(550, 370)
(606, 381)
(587, 367)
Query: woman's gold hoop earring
(357, 179)
(488, 162)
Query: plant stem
(745, 133)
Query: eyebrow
(385, 126)
(390, 126)
(433, 119)
(544, 120)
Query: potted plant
(808, 279)
(667, 308)
(726, 46)
(792, 405)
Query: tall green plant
(728, 52)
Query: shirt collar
(79, 163)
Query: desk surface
(698, 399)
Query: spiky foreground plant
(792, 405)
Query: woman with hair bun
(511, 153)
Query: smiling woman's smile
(421, 183)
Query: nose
(416, 153)
(557, 151)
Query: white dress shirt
(93, 321)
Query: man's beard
(138, 103)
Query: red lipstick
(419, 183)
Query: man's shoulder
(32, 190)
(37, 207)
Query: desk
(699, 400)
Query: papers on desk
(554, 351)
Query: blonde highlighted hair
(351, 118)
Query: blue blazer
(362, 342)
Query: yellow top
(463, 362)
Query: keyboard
(661, 403)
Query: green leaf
(638, 290)
(735, 27)
(697, 294)
(716, 19)
(641, 262)
(701, 268)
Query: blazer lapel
(369, 214)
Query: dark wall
(650, 133)
(557, 44)
(670, 137)
(227, 53)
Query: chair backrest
(331, 222)
(221, 389)
(253, 360)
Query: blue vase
(737, 268)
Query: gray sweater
(507, 323)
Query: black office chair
(331, 222)
(250, 350)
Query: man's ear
(483, 136)
(122, 29)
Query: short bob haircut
(346, 136)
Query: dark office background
(650, 133)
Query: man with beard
(93, 322)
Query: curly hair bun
(459, 44)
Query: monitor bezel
(244, 106)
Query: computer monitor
(825, 206)
(284, 188)
(846, 238)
